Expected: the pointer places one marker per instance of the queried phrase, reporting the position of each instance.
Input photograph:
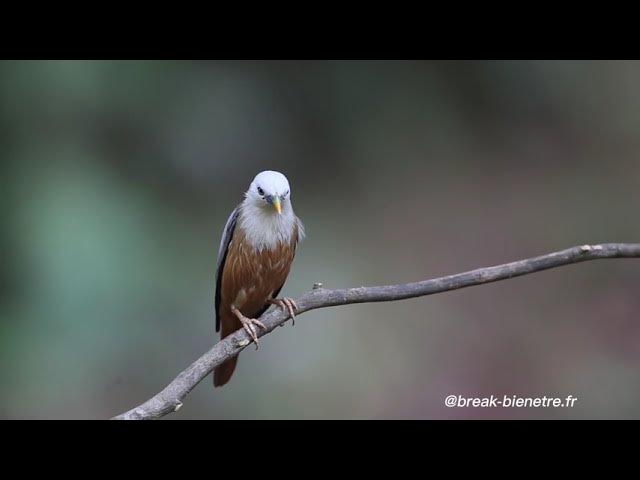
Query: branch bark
(170, 399)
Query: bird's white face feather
(266, 214)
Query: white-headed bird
(256, 251)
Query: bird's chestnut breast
(252, 276)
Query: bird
(257, 249)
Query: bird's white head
(270, 191)
(266, 215)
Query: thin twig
(170, 399)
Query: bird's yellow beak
(277, 205)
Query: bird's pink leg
(287, 305)
(249, 324)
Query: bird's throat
(266, 229)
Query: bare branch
(170, 399)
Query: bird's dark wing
(227, 235)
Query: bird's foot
(250, 325)
(287, 305)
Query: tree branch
(170, 399)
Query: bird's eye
(260, 191)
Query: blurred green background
(119, 176)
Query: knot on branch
(590, 248)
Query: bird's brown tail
(222, 373)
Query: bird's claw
(287, 305)
(249, 325)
